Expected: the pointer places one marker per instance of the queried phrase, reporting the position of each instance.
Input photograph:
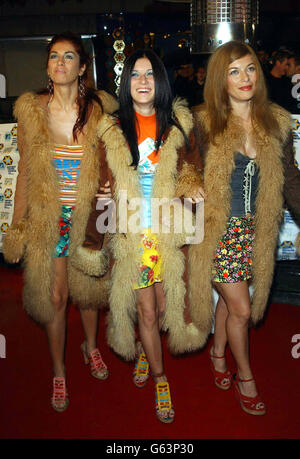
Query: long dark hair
(162, 102)
(85, 100)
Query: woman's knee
(147, 315)
(241, 313)
(59, 301)
(59, 295)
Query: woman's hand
(198, 195)
(105, 191)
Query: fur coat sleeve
(190, 169)
(291, 188)
(92, 258)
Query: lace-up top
(244, 183)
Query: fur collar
(32, 101)
(119, 156)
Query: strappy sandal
(251, 405)
(141, 370)
(223, 380)
(59, 400)
(97, 366)
(163, 403)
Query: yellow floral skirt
(151, 263)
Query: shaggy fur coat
(178, 174)
(34, 232)
(273, 158)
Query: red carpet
(115, 408)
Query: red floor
(116, 409)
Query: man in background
(293, 93)
(276, 79)
(183, 77)
(197, 86)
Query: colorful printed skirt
(65, 225)
(151, 265)
(233, 257)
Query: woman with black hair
(58, 158)
(148, 152)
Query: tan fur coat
(35, 231)
(175, 176)
(219, 165)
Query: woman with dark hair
(149, 153)
(247, 148)
(58, 158)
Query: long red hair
(216, 97)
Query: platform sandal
(251, 405)
(97, 366)
(141, 370)
(223, 380)
(59, 400)
(163, 403)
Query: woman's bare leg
(237, 299)
(56, 330)
(149, 328)
(160, 307)
(220, 335)
(160, 302)
(89, 318)
(148, 318)
(89, 347)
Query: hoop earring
(81, 87)
(50, 87)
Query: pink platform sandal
(97, 366)
(59, 400)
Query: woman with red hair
(247, 148)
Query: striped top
(67, 161)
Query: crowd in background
(279, 66)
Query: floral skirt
(233, 257)
(150, 265)
(65, 225)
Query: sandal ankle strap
(216, 356)
(238, 379)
